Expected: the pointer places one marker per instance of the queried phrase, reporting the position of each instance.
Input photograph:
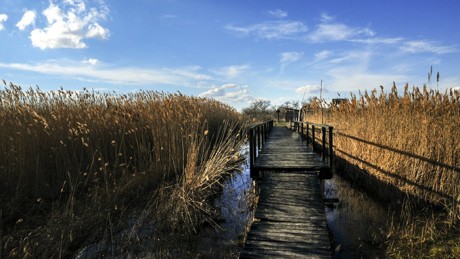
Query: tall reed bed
(73, 165)
(409, 141)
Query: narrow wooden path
(284, 150)
(289, 221)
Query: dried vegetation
(408, 142)
(76, 167)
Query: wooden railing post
(323, 143)
(252, 153)
(306, 132)
(263, 135)
(331, 146)
(301, 131)
(258, 138)
(313, 137)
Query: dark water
(356, 222)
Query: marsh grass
(74, 166)
(410, 143)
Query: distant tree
(259, 110)
(291, 104)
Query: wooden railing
(257, 137)
(322, 143)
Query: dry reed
(410, 141)
(73, 165)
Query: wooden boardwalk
(285, 151)
(289, 221)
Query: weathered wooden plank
(289, 219)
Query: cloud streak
(231, 71)
(272, 30)
(92, 70)
(328, 30)
(279, 14)
(422, 46)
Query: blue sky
(234, 51)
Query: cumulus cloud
(27, 19)
(277, 13)
(3, 18)
(426, 46)
(68, 25)
(91, 61)
(272, 29)
(232, 93)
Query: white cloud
(231, 93)
(27, 19)
(376, 40)
(322, 55)
(327, 30)
(361, 57)
(231, 71)
(86, 71)
(309, 89)
(337, 32)
(97, 31)
(326, 18)
(91, 61)
(69, 24)
(3, 18)
(290, 57)
(277, 13)
(426, 46)
(272, 29)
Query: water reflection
(356, 222)
(234, 204)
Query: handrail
(308, 131)
(257, 136)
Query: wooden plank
(289, 219)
